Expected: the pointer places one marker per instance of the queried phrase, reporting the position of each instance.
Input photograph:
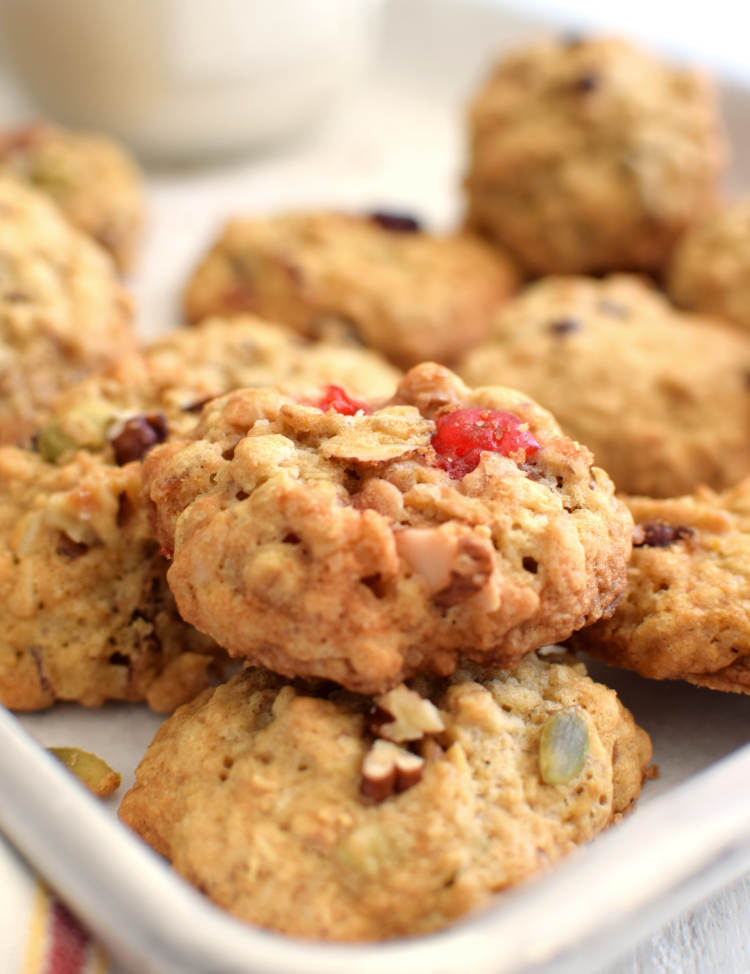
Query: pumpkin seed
(563, 746)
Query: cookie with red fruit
(368, 545)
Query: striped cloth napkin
(38, 935)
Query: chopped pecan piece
(407, 716)
(388, 769)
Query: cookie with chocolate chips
(685, 611)
(661, 397)
(334, 540)
(381, 280)
(591, 156)
(272, 797)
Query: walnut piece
(412, 716)
(388, 769)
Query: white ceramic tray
(398, 143)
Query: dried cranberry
(137, 436)
(338, 399)
(463, 436)
(396, 222)
(659, 534)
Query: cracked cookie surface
(253, 792)
(661, 397)
(63, 314)
(589, 155)
(347, 547)
(90, 177)
(86, 611)
(685, 611)
(408, 294)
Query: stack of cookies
(389, 561)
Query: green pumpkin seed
(90, 769)
(53, 442)
(563, 746)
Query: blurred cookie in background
(94, 181)
(710, 268)
(408, 294)
(661, 397)
(63, 312)
(589, 155)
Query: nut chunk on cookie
(686, 610)
(367, 547)
(408, 294)
(590, 155)
(85, 609)
(255, 793)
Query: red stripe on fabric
(67, 942)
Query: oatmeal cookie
(710, 269)
(86, 611)
(189, 366)
(662, 398)
(63, 314)
(324, 540)
(408, 294)
(260, 793)
(91, 178)
(686, 610)
(589, 155)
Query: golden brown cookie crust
(684, 614)
(253, 792)
(63, 314)
(334, 546)
(661, 397)
(87, 615)
(409, 295)
(589, 155)
(710, 268)
(91, 178)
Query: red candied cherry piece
(462, 437)
(336, 398)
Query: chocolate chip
(69, 548)
(395, 222)
(586, 82)
(137, 436)
(119, 659)
(564, 326)
(659, 534)
(530, 565)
